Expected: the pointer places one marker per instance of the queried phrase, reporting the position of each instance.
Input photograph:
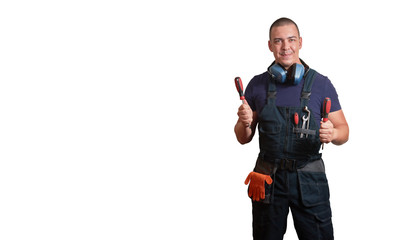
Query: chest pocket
(270, 137)
(270, 129)
(308, 143)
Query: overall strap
(306, 91)
(271, 94)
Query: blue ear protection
(293, 75)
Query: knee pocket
(324, 218)
(324, 225)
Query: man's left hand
(326, 131)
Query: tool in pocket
(304, 120)
(296, 119)
(309, 117)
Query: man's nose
(285, 45)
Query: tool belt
(269, 165)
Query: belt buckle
(289, 164)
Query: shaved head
(282, 22)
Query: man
(286, 102)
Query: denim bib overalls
(290, 155)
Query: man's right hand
(245, 114)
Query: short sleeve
(331, 92)
(249, 95)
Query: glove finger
(258, 194)
(248, 178)
(263, 193)
(255, 195)
(256, 198)
(250, 192)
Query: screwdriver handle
(326, 111)
(326, 108)
(296, 118)
(240, 87)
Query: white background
(116, 117)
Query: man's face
(285, 45)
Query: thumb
(248, 178)
(268, 179)
(245, 102)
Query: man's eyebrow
(287, 38)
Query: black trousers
(305, 192)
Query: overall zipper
(285, 150)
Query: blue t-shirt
(289, 95)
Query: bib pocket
(308, 145)
(270, 136)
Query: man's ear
(269, 45)
(300, 42)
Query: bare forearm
(341, 134)
(243, 134)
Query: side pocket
(314, 188)
(269, 191)
(267, 168)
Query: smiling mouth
(285, 54)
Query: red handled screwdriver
(296, 119)
(240, 89)
(326, 111)
(326, 108)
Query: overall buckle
(288, 164)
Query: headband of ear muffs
(293, 75)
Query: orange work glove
(257, 185)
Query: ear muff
(293, 75)
(277, 72)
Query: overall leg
(310, 203)
(270, 220)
